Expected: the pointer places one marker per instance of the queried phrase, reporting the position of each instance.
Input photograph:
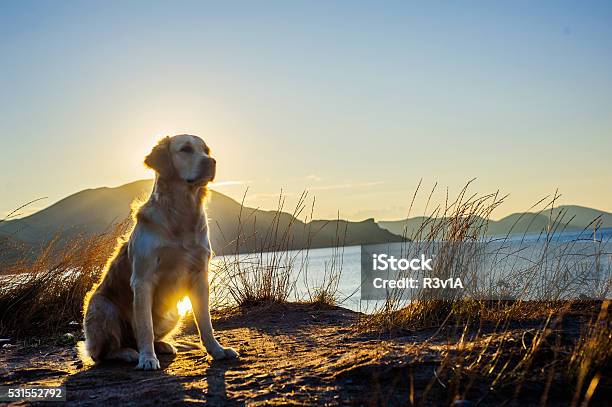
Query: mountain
(568, 217)
(518, 223)
(580, 217)
(95, 211)
(91, 211)
(237, 229)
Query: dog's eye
(187, 149)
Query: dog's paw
(224, 353)
(162, 347)
(231, 353)
(125, 354)
(147, 362)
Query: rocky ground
(290, 354)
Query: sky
(353, 101)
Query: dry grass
(527, 348)
(456, 234)
(266, 276)
(274, 273)
(534, 361)
(46, 295)
(591, 358)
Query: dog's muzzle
(208, 168)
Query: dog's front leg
(199, 296)
(143, 325)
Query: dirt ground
(290, 354)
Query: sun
(184, 306)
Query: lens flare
(184, 306)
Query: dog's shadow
(216, 383)
(119, 383)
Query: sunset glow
(184, 306)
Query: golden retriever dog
(133, 308)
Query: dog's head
(185, 158)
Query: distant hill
(91, 211)
(95, 211)
(575, 217)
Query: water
(585, 259)
(602, 235)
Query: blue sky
(353, 101)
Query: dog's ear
(159, 159)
